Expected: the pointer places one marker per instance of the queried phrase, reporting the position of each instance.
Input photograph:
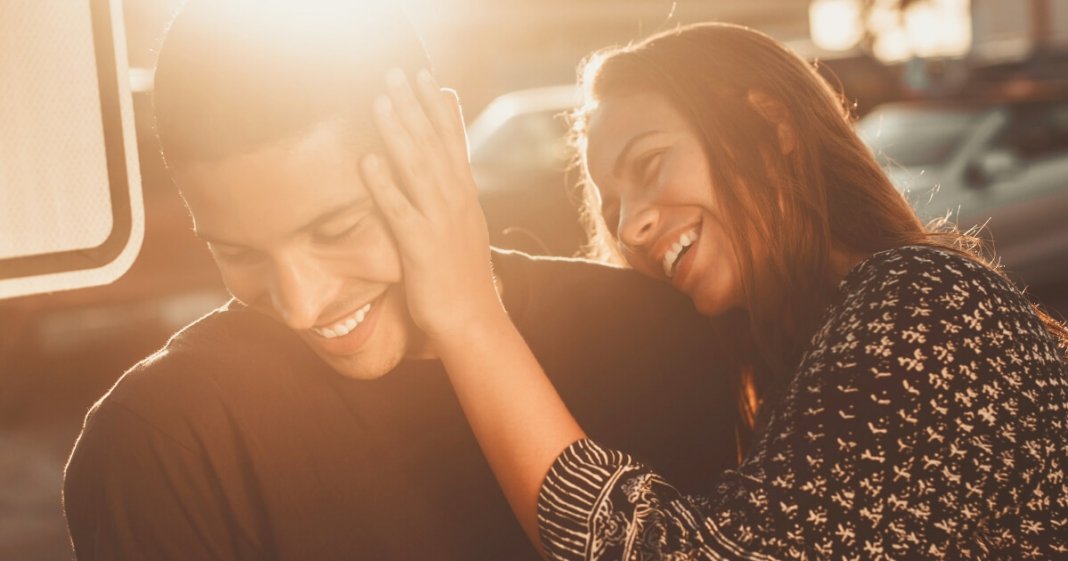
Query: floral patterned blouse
(928, 419)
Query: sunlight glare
(892, 45)
(835, 24)
(307, 16)
(928, 28)
(939, 28)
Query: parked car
(1002, 164)
(522, 164)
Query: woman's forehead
(617, 121)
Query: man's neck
(421, 350)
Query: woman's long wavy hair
(828, 191)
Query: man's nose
(300, 291)
(638, 227)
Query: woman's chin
(713, 302)
(707, 308)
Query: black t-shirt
(236, 442)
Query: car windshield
(917, 136)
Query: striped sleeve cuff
(572, 495)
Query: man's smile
(347, 334)
(344, 325)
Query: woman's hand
(435, 218)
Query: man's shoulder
(203, 343)
(578, 282)
(582, 311)
(200, 363)
(525, 263)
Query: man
(306, 420)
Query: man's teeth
(676, 250)
(344, 326)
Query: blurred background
(964, 102)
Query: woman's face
(652, 174)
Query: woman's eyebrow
(617, 170)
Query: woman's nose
(637, 229)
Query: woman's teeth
(671, 258)
(344, 326)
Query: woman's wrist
(488, 324)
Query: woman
(914, 404)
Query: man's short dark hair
(237, 75)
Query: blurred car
(522, 163)
(1002, 164)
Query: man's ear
(774, 111)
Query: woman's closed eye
(647, 166)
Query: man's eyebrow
(617, 170)
(327, 216)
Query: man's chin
(384, 338)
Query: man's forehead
(277, 189)
(347, 135)
(207, 232)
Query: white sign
(70, 189)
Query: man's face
(297, 236)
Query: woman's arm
(516, 414)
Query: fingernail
(395, 78)
(372, 163)
(383, 105)
(424, 77)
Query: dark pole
(1040, 25)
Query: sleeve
(132, 492)
(902, 431)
